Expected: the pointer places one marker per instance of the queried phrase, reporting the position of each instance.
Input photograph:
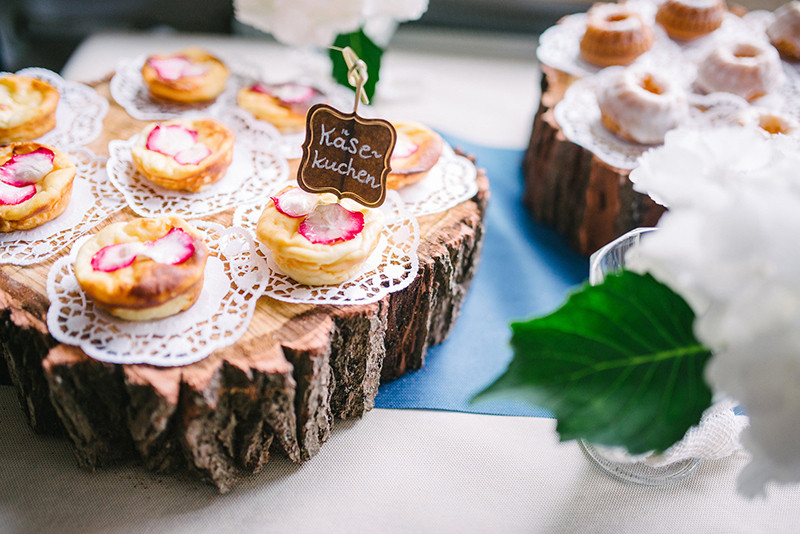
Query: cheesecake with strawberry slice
(142, 269)
(184, 154)
(35, 185)
(317, 240)
(416, 151)
(188, 76)
(284, 105)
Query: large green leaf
(368, 51)
(617, 364)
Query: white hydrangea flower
(381, 17)
(317, 22)
(729, 246)
(301, 22)
(397, 10)
(763, 375)
(703, 166)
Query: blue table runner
(525, 270)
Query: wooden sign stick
(343, 153)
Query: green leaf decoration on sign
(618, 364)
(365, 49)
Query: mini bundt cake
(749, 69)
(641, 105)
(615, 35)
(685, 20)
(784, 31)
(769, 121)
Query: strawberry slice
(179, 142)
(171, 139)
(295, 202)
(193, 155)
(288, 93)
(331, 223)
(175, 247)
(176, 67)
(262, 88)
(114, 257)
(25, 169)
(404, 147)
(11, 195)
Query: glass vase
(614, 461)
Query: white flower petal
(317, 22)
(729, 246)
(668, 176)
(763, 375)
(302, 22)
(399, 10)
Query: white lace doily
(450, 182)
(391, 267)
(559, 45)
(717, 436)
(93, 200)
(255, 168)
(291, 146)
(80, 111)
(578, 115)
(234, 278)
(788, 99)
(129, 91)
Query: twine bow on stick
(356, 74)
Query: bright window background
(45, 32)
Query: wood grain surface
(278, 390)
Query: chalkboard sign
(346, 155)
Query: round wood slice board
(278, 389)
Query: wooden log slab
(278, 390)
(567, 187)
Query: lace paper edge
(205, 353)
(109, 211)
(120, 145)
(240, 221)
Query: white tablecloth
(393, 470)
